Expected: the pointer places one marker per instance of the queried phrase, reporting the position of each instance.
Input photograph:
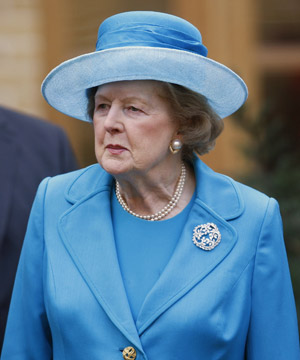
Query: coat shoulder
(256, 203)
(226, 196)
(251, 195)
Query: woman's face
(133, 127)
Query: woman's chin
(115, 166)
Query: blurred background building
(259, 39)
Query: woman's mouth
(115, 149)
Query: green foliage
(275, 149)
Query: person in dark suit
(30, 150)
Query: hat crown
(150, 29)
(144, 45)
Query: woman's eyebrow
(140, 99)
(136, 98)
(101, 97)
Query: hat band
(149, 35)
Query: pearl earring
(175, 146)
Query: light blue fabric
(144, 45)
(143, 249)
(230, 303)
(148, 28)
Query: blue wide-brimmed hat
(144, 45)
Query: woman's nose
(113, 121)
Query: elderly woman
(149, 254)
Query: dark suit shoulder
(15, 120)
(39, 142)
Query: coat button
(129, 353)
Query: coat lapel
(92, 249)
(189, 264)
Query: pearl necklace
(163, 212)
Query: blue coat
(234, 302)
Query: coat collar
(92, 247)
(219, 192)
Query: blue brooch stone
(206, 236)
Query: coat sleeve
(273, 333)
(27, 333)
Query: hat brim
(65, 88)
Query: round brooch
(206, 236)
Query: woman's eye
(133, 109)
(101, 107)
